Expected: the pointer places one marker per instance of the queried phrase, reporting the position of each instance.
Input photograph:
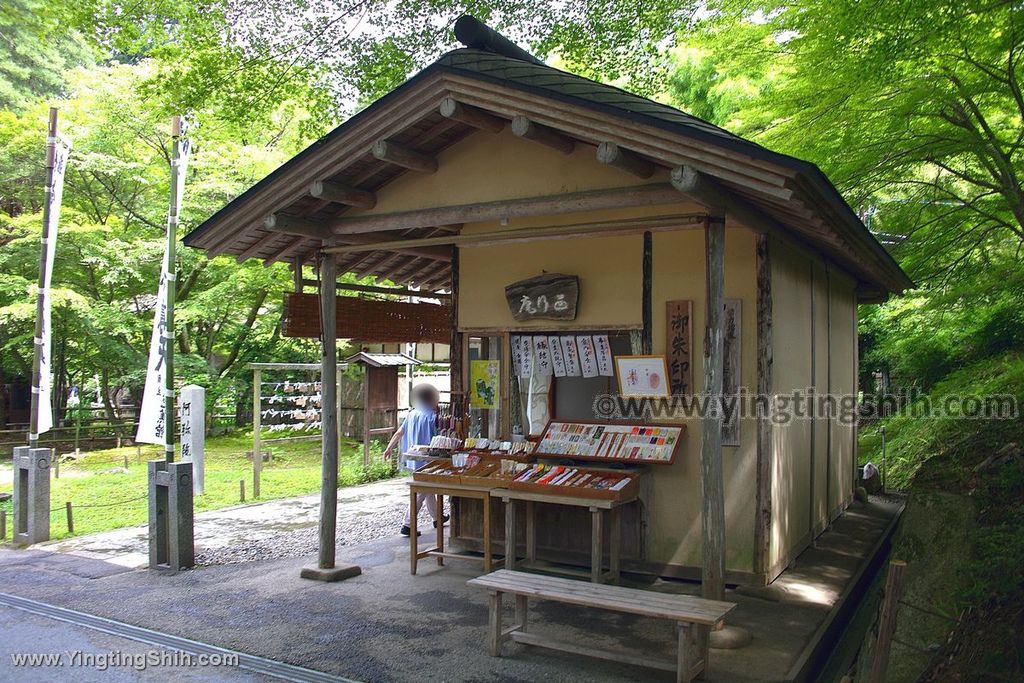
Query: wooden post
(328, 420)
(887, 621)
(241, 490)
(3, 524)
(71, 517)
(43, 295)
(763, 525)
(647, 343)
(257, 423)
(366, 416)
(712, 486)
(337, 403)
(455, 350)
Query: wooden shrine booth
(738, 268)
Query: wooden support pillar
(455, 351)
(326, 569)
(763, 524)
(712, 486)
(366, 416)
(328, 405)
(647, 341)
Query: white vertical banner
(152, 418)
(54, 195)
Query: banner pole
(42, 295)
(172, 239)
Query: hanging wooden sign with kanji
(551, 296)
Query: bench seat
(694, 616)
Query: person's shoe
(406, 531)
(443, 520)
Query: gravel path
(354, 527)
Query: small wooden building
(489, 167)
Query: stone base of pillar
(339, 573)
(31, 495)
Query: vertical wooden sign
(731, 345)
(679, 346)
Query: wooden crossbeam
(631, 162)
(523, 127)
(471, 116)
(341, 193)
(398, 155)
(549, 205)
(590, 229)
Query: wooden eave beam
(721, 201)
(549, 205)
(630, 162)
(341, 193)
(523, 127)
(471, 116)
(296, 225)
(396, 154)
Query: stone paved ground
(387, 625)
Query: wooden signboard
(679, 346)
(551, 296)
(732, 342)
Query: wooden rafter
(471, 116)
(396, 154)
(523, 127)
(630, 162)
(341, 193)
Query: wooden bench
(694, 617)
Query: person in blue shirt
(418, 429)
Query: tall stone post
(31, 494)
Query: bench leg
(413, 544)
(692, 655)
(521, 607)
(494, 626)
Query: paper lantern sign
(551, 296)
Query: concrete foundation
(171, 542)
(32, 494)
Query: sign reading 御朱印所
(551, 296)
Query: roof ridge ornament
(473, 33)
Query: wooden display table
(597, 508)
(452, 490)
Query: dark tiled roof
(564, 85)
